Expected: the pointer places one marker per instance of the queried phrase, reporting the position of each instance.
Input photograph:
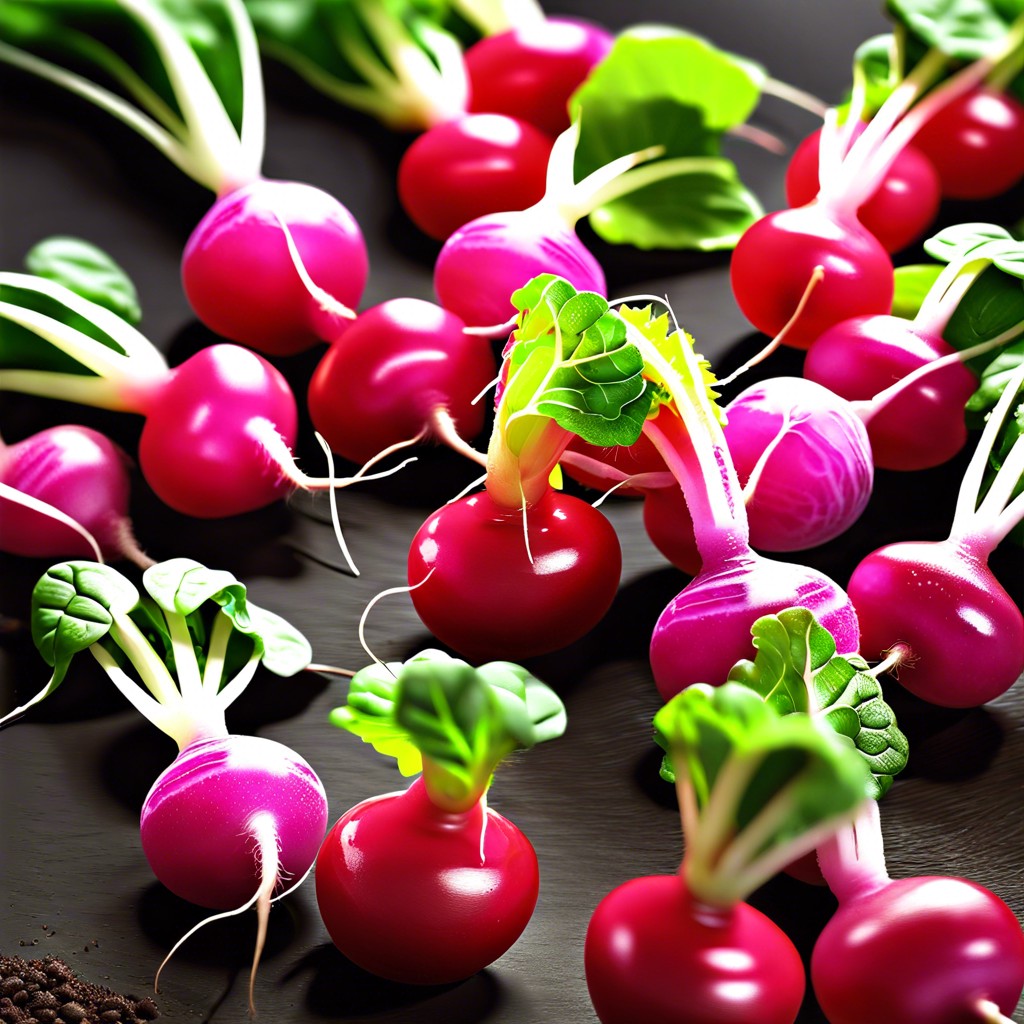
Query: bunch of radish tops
(531, 144)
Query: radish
(521, 569)
(404, 370)
(755, 790)
(218, 428)
(471, 166)
(530, 71)
(923, 950)
(80, 475)
(429, 885)
(276, 265)
(234, 819)
(940, 598)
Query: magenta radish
(218, 428)
(470, 166)
(234, 821)
(922, 950)
(429, 885)
(405, 370)
(686, 948)
(277, 265)
(520, 569)
(941, 599)
(80, 474)
(898, 213)
(530, 70)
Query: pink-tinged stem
(853, 860)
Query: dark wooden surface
(74, 772)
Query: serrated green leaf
(88, 271)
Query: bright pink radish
(898, 213)
(941, 599)
(492, 582)
(473, 165)
(686, 948)
(404, 370)
(923, 950)
(235, 820)
(218, 428)
(487, 259)
(975, 144)
(276, 265)
(243, 280)
(522, 569)
(429, 885)
(77, 471)
(530, 71)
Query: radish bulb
(755, 790)
(234, 821)
(429, 885)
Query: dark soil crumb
(46, 991)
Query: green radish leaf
(912, 283)
(994, 379)
(88, 271)
(993, 304)
(73, 607)
(962, 29)
(872, 67)
(757, 788)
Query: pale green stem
(153, 672)
(216, 650)
(71, 387)
(946, 292)
(253, 130)
(232, 690)
(792, 94)
(185, 663)
(162, 716)
(1003, 484)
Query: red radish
(898, 213)
(923, 950)
(405, 369)
(975, 144)
(473, 165)
(669, 526)
(521, 570)
(530, 71)
(218, 428)
(233, 820)
(630, 470)
(78, 472)
(276, 265)
(429, 885)
(940, 598)
(686, 948)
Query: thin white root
(373, 601)
(330, 670)
(333, 500)
(990, 1013)
(443, 427)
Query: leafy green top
(756, 788)
(193, 640)
(455, 723)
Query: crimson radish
(940, 598)
(519, 569)
(235, 820)
(922, 950)
(218, 428)
(404, 370)
(530, 71)
(430, 885)
(755, 790)
(277, 265)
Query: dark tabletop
(76, 769)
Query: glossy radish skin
(641, 457)
(818, 475)
(965, 633)
(200, 449)
(901, 209)
(196, 822)
(919, 951)
(723, 602)
(80, 472)
(421, 895)
(487, 600)
(669, 526)
(921, 427)
(776, 257)
(486, 260)
(240, 278)
(529, 72)
(655, 954)
(975, 144)
(399, 363)
(474, 165)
